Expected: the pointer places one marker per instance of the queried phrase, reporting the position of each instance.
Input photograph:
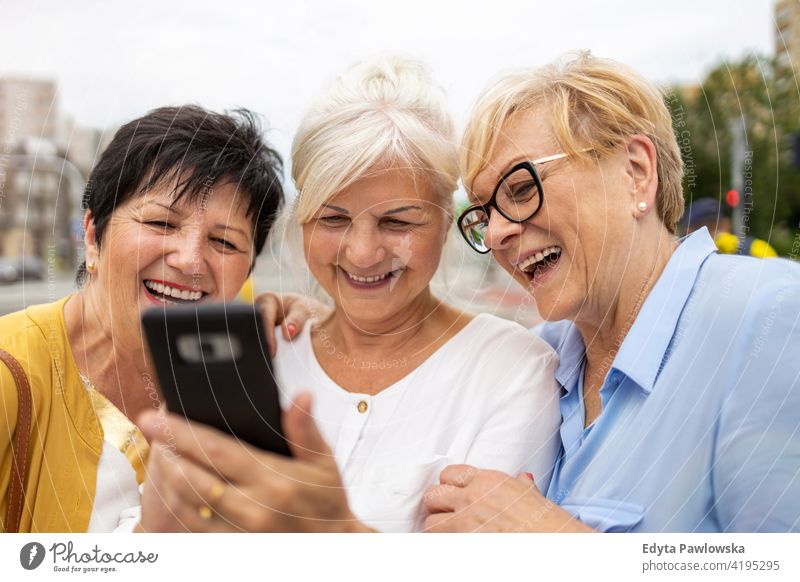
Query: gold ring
(205, 512)
(217, 491)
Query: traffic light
(794, 150)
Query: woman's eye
(394, 222)
(226, 244)
(523, 191)
(158, 224)
(333, 220)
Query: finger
(158, 500)
(152, 423)
(302, 433)
(199, 498)
(527, 479)
(289, 330)
(272, 314)
(440, 523)
(458, 475)
(444, 498)
(232, 459)
(186, 496)
(298, 312)
(205, 445)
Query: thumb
(303, 435)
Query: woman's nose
(188, 255)
(362, 247)
(500, 230)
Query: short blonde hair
(591, 103)
(382, 113)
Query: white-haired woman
(403, 384)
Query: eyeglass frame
(492, 203)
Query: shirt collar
(643, 350)
(570, 358)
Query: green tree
(766, 94)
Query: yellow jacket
(66, 436)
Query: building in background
(45, 158)
(36, 211)
(28, 108)
(787, 32)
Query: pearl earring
(642, 206)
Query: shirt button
(362, 406)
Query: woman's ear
(92, 252)
(642, 169)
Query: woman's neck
(606, 321)
(115, 366)
(393, 335)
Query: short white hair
(383, 113)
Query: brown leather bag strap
(19, 450)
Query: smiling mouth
(164, 293)
(539, 265)
(373, 281)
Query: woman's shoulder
(494, 360)
(490, 334)
(35, 338)
(33, 332)
(738, 285)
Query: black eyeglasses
(518, 196)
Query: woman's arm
(756, 464)
(520, 437)
(521, 431)
(202, 480)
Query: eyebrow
(229, 228)
(174, 209)
(337, 208)
(387, 213)
(401, 209)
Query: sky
(116, 60)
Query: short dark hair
(197, 149)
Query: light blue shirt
(700, 427)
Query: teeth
(367, 279)
(539, 256)
(167, 291)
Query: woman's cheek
(232, 275)
(424, 250)
(323, 247)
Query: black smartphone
(213, 366)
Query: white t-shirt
(488, 398)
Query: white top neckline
(396, 386)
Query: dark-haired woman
(177, 209)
